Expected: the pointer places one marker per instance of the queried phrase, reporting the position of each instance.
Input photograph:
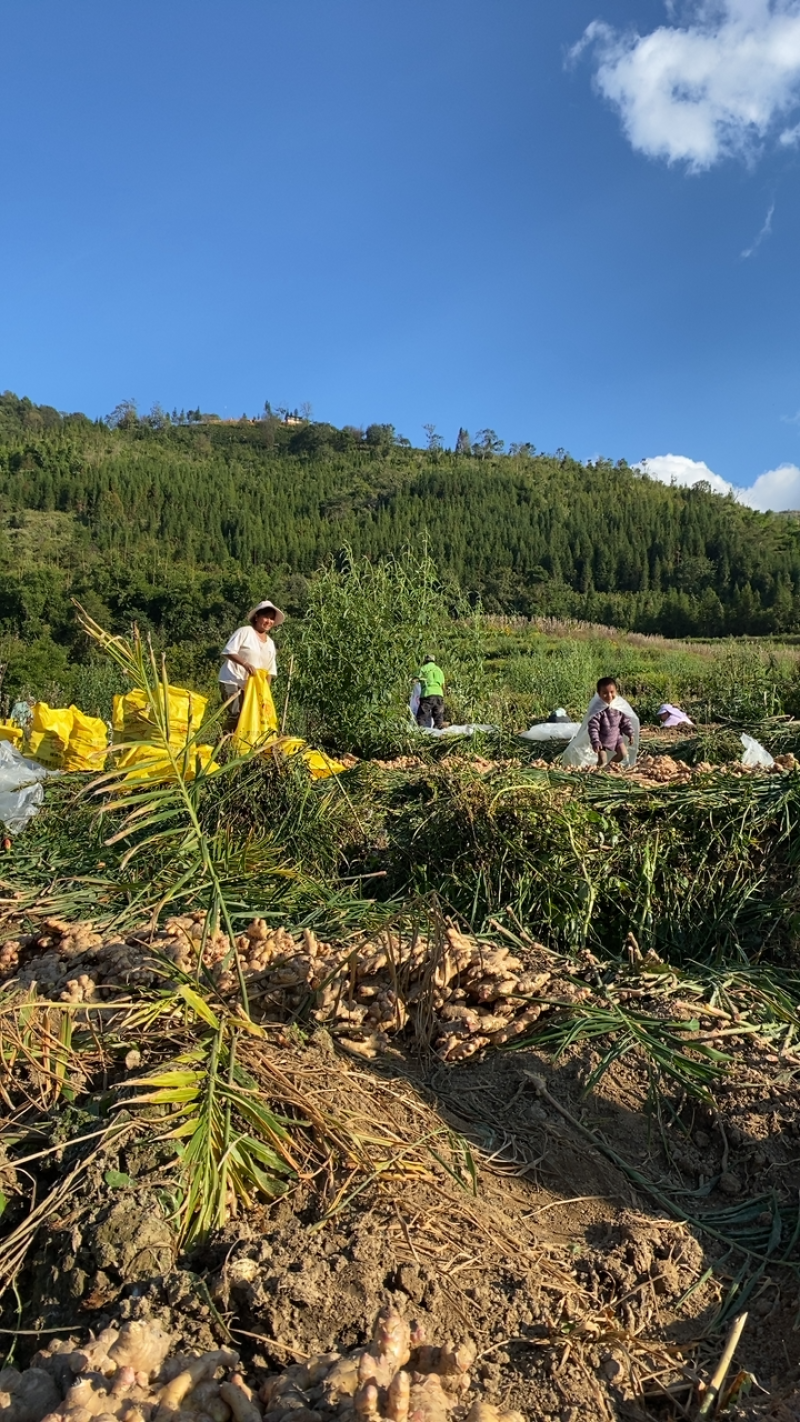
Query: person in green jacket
(431, 694)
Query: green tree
(487, 443)
(366, 629)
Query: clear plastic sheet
(21, 789)
(754, 753)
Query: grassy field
(702, 869)
(533, 667)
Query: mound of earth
(591, 1229)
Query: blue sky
(576, 224)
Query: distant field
(532, 667)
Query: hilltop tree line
(178, 522)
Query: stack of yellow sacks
(132, 721)
(258, 729)
(63, 738)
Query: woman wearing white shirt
(250, 649)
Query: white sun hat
(267, 606)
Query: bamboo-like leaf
(166, 1079)
(145, 819)
(198, 1005)
(216, 1157)
(169, 1096)
(187, 1127)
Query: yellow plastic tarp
(258, 718)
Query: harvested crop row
(454, 992)
(127, 1374)
(470, 994)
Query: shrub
(365, 632)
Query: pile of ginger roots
(128, 1375)
(463, 993)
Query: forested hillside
(177, 521)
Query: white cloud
(766, 229)
(678, 469)
(710, 89)
(776, 490)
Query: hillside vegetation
(178, 523)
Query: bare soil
(508, 1204)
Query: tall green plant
(745, 684)
(232, 1147)
(560, 675)
(361, 642)
(162, 810)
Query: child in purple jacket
(606, 728)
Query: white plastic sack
(551, 731)
(21, 790)
(456, 730)
(579, 751)
(18, 807)
(754, 753)
(413, 704)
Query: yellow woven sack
(149, 763)
(132, 717)
(51, 728)
(321, 765)
(258, 718)
(287, 745)
(88, 741)
(9, 731)
(258, 724)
